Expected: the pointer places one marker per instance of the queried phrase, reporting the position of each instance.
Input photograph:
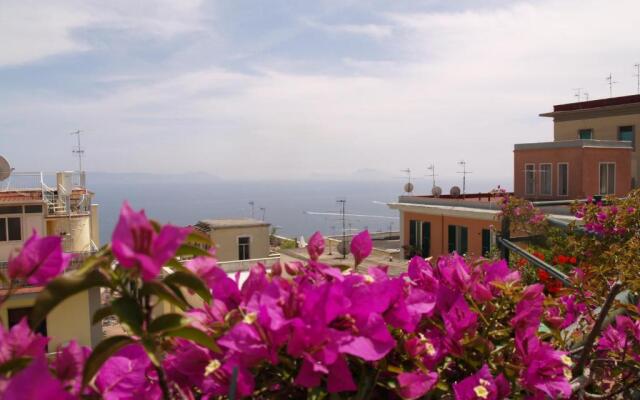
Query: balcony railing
(245, 265)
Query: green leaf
(189, 250)
(101, 353)
(195, 335)
(149, 348)
(165, 293)
(190, 280)
(199, 237)
(62, 288)
(128, 312)
(167, 322)
(14, 365)
(101, 314)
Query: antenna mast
(464, 173)
(611, 82)
(577, 93)
(78, 150)
(343, 203)
(432, 168)
(264, 211)
(252, 204)
(637, 75)
(586, 96)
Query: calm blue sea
(285, 203)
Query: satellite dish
(5, 168)
(408, 187)
(455, 191)
(436, 191)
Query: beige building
(64, 209)
(612, 119)
(239, 242)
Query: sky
(287, 89)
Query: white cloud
(33, 30)
(468, 85)
(376, 31)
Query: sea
(290, 206)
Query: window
(11, 210)
(34, 209)
(458, 239)
(419, 238)
(585, 134)
(16, 314)
(243, 248)
(486, 242)
(563, 179)
(10, 229)
(627, 134)
(607, 178)
(529, 179)
(545, 179)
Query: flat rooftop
(611, 103)
(33, 195)
(578, 143)
(209, 224)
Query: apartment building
(63, 208)
(614, 119)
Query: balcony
(76, 262)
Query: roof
(209, 224)
(33, 195)
(612, 103)
(580, 143)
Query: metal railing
(245, 265)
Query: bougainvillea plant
(454, 329)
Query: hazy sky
(300, 89)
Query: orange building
(593, 153)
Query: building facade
(63, 209)
(239, 242)
(612, 119)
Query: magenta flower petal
(361, 246)
(315, 248)
(136, 244)
(40, 260)
(128, 374)
(20, 341)
(35, 382)
(340, 379)
(413, 385)
(69, 364)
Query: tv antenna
(253, 205)
(264, 211)
(432, 168)
(586, 96)
(408, 187)
(78, 150)
(637, 75)
(577, 93)
(343, 204)
(611, 82)
(464, 173)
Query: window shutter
(426, 239)
(464, 233)
(452, 238)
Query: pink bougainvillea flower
(40, 260)
(429, 346)
(459, 319)
(361, 246)
(454, 272)
(223, 288)
(128, 374)
(480, 385)
(35, 382)
(315, 248)
(69, 363)
(20, 341)
(412, 385)
(137, 245)
(529, 309)
(547, 372)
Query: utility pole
(78, 150)
(464, 173)
(343, 203)
(252, 204)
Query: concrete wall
(439, 231)
(604, 128)
(29, 222)
(584, 170)
(69, 320)
(226, 241)
(95, 224)
(76, 231)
